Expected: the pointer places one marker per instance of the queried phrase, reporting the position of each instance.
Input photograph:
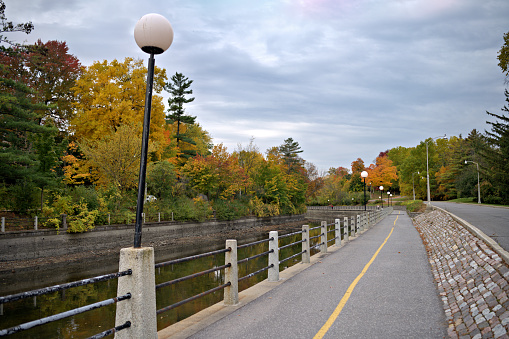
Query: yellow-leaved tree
(110, 95)
(116, 158)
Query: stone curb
(480, 234)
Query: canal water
(98, 320)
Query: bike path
(395, 297)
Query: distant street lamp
(413, 183)
(478, 186)
(382, 195)
(154, 35)
(427, 168)
(388, 199)
(364, 175)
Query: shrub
(413, 206)
(230, 210)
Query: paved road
(493, 221)
(395, 298)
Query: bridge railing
(139, 298)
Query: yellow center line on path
(350, 289)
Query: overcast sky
(343, 78)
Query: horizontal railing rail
(56, 288)
(72, 312)
(192, 257)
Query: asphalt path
(394, 298)
(492, 221)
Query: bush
(230, 210)
(190, 209)
(413, 206)
(491, 199)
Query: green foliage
(190, 209)
(162, 180)
(179, 87)
(22, 196)
(503, 55)
(290, 150)
(496, 152)
(230, 210)
(413, 206)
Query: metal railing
(191, 276)
(66, 314)
(345, 208)
(344, 229)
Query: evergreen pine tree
(179, 87)
(290, 150)
(496, 153)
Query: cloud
(344, 78)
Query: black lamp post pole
(144, 152)
(365, 194)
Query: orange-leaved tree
(217, 175)
(383, 173)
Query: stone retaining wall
(26, 245)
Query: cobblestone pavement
(473, 281)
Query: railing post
(64, 221)
(359, 225)
(273, 274)
(337, 232)
(159, 216)
(323, 238)
(346, 233)
(231, 293)
(35, 223)
(353, 227)
(306, 256)
(140, 310)
(3, 224)
(109, 219)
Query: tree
(50, 71)
(179, 87)
(383, 173)
(496, 153)
(358, 166)
(28, 151)
(290, 150)
(20, 160)
(162, 180)
(110, 95)
(8, 26)
(503, 56)
(116, 157)
(217, 175)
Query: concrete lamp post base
(140, 310)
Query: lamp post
(388, 199)
(382, 195)
(427, 167)
(478, 186)
(154, 35)
(413, 183)
(364, 175)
